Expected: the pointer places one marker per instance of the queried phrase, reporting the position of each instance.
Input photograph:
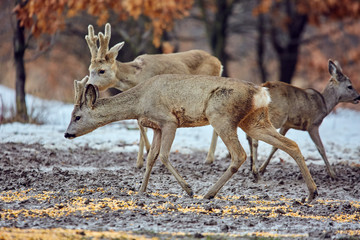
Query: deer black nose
(358, 98)
(68, 135)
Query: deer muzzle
(357, 100)
(69, 136)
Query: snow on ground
(339, 131)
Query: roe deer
(106, 72)
(167, 102)
(305, 109)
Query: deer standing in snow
(167, 102)
(304, 109)
(106, 72)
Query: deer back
(196, 62)
(106, 72)
(186, 100)
(294, 107)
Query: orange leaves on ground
(44, 16)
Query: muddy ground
(96, 190)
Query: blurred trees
(287, 20)
(274, 32)
(47, 17)
(215, 15)
(19, 52)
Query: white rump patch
(221, 70)
(261, 98)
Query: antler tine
(104, 41)
(79, 89)
(91, 40)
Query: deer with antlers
(106, 72)
(167, 102)
(304, 109)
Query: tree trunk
(287, 51)
(287, 63)
(19, 51)
(260, 47)
(216, 29)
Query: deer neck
(331, 97)
(122, 106)
(126, 75)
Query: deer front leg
(228, 134)
(262, 169)
(315, 136)
(143, 141)
(151, 159)
(167, 138)
(211, 153)
(139, 160)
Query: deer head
(83, 119)
(344, 90)
(103, 61)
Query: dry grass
(8, 114)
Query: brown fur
(301, 109)
(189, 101)
(305, 109)
(106, 72)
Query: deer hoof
(209, 161)
(191, 194)
(256, 177)
(332, 174)
(312, 196)
(262, 171)
(209, 196)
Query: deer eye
(77, 118)
(101, 71)
(350, 87)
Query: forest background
(42, 47)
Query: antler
(79, 89)
(104, 42)
(91, 40)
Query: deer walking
(305, 109)
(187, 101)
(106, 72)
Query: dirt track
(95, 190)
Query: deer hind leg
(151, 159)
(211, 153)
(167, 138)
(257, 125)
(315, 136)
(228, 134)
(262, 169)
(253, 145)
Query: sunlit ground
(84, 206)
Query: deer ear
(91, 94)
(79, 87)
(113, 52)
(333, 70)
